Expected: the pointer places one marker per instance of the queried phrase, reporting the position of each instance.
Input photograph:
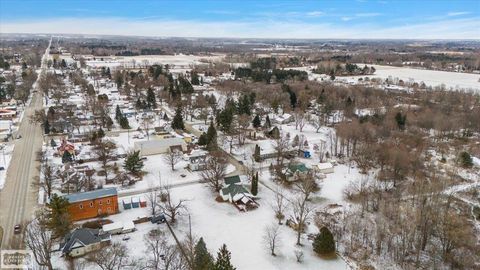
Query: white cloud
(446, 29)
(459, 13)
(315, 13)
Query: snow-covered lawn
(6, 155)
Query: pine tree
(46, 127)
(202, 260)
(124, 122)
(466, 160)
(100, 133)
(118, 113)
(177, 122)
(195, 80)
(53, 144)
(133, 163)
(256, 154)
(211, 136)
(151, 101)
(324, 244)
(58, 216)
(223, 259)
(256, 121)
(202, 140)
(401, 120)
(67, 157)
(254, 189)
(268, 125)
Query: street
(18, 198)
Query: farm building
(90, 204)
(82, 241)
(161, 146)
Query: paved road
(18, 198)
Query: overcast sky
(426, 19)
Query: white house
(82, 241)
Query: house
(90, 204)
(281, 119)
(294, 171)
(7, 114)
(197, 160)
(66, 146)
(161, 146)
(237, 194)
(325, 167)
(84, 240)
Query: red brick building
(91, 204)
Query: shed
(113, 228)
(127, 205)
(128, 226)
(325, 167)
(135, 202)
(143, 202)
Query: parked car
(17, 229)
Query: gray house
(82, 241)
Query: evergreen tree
(195, 80)
(202, 260)
(118, 113)
(151, 101)
(202, 140)
(58, 216)
(254, 189)
(223, 259)
(46, 127)
(177, 122)
(324, 244)
(466, 160)
(124, 122)
(53, 144)
(256, 121)
(225, 119)
(211, 133)
(133, 163)
(100, 133)
(67, 157)
(268, 124)
(401, 120)
(256, 154)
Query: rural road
(18, 198)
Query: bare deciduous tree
(279, 205)
(215, 171)
(112, 257)
(105, 153)
(169, 206)
(301, 211)
(162, 255)
(172, 157)
(272, 238)
(39, 240)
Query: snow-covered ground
(180, 60)
(6, 155)
(432, 78)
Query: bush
(324, 244)
(466, 160)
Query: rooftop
(90, 195)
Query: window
(80, 206)
(91, 204)
(100, 202)
(108, 201)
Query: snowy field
(451, 80)
(180, 60)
